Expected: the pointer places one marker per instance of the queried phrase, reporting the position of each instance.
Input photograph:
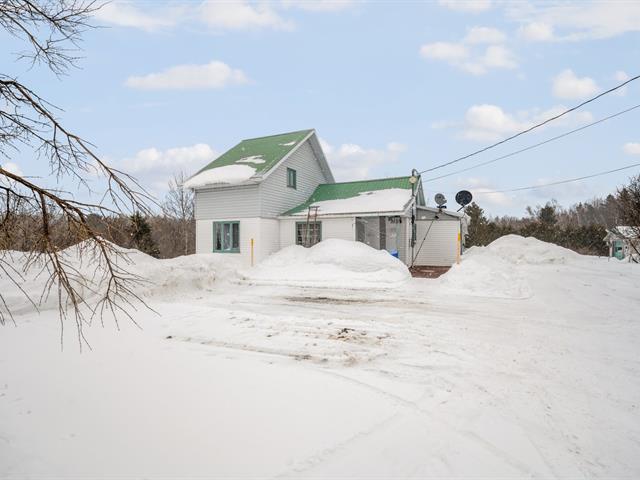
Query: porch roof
(365, 196)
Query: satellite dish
(440, 199)
(464, 197)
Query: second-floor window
(291, 178)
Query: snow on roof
(389, 200)
(626, 231)
(263, 153)
(229, 174)
(258, 159)
(358, 197)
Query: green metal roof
(339, 191)
(261, 153)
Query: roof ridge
(369, 180)
(277, 135)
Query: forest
(581, 227)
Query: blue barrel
(394, 253)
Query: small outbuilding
(624, 243)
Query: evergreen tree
(480, 232)
(140, 232)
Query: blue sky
(389, 86)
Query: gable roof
(365, 196)
(252, 158)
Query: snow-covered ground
(522, 362)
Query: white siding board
(229, 203)
(275, 197)
(440, 245)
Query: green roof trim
(339, 191)
(261, 153)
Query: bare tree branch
(44, 220)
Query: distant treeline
(581, 228)
(168, 234)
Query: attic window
(291, 178)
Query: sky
(389, 86)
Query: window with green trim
(226, 237)
(291, 178)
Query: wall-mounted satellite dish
(440, 199)
(464, 197)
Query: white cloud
(484, 35)
(490, 122)
(468, 6)
(217, 15)
(621, 77)
(320, 5)
(182, 77)
(567, 85)
(154, 167)
(449, 52)
(582, 20)
(498, 56)
(350, 161)
(536, 32)
(12, 167)
(126, 14)
(632, 148)
(479, 187)
(240, 15)
(470, 55)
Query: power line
(538, 125)
(531, 147)
(560, 182)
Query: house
(624, 242)
(271, 192)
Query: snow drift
(499, 270)
(331, 263)
(169, 279)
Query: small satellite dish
(464, 197)
(440, 199)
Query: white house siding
(343, 228)
(275, 197)
(441, 243)
(269, 240)
(404, 238)
(263, 231)
(228, 203)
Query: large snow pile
(499, 269)
(331, 263)
(165, 279)
(527, 250)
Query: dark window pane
(235, 237)
(217, 236)
(226, 237)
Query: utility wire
(538, 125)
(531, 147)
(577, 179)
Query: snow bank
(161, 279)
(528, 250)
(499, 269)
(228, 174)
(389, 200)
(331, 263)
